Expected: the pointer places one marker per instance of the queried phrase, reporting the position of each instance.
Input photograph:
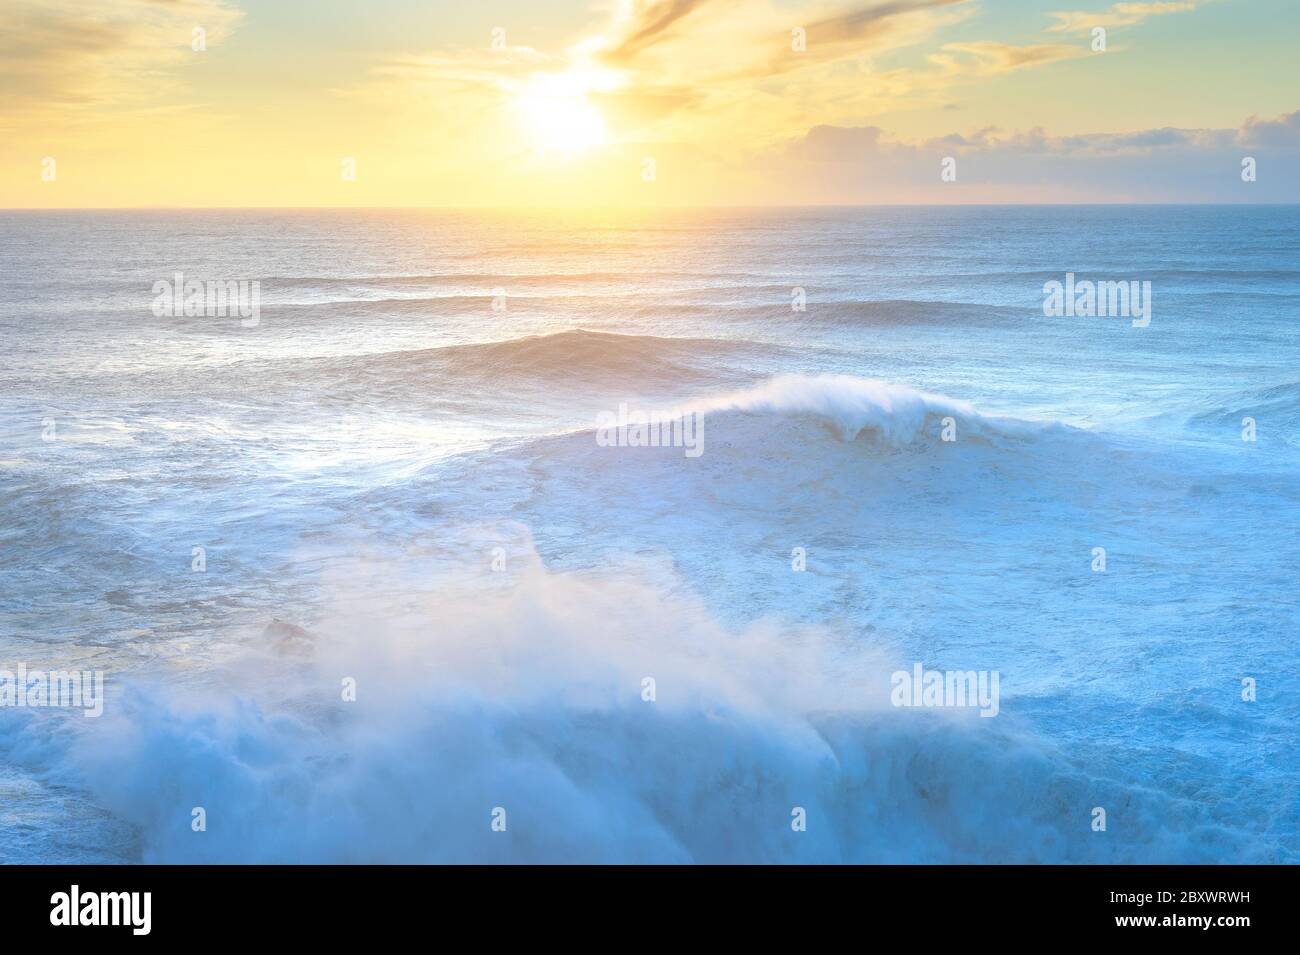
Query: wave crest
(897, 415)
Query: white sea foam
(532, 697)
(896, 414)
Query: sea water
(366, 586)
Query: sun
(558, 116)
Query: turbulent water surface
(395, 479)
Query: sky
(510, 103)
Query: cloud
(469, 70)
(66, 54)
(837, 143)
(856, 33)
(957, 62)
(1283, 131)
(649, 22)
(658, 66)
(986, 58)
(1119, 15)
(686, 37)
(1162, 164)
(856, 24)
(700, 70)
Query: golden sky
(643, 102)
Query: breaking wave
(895, 414)
(534, 699)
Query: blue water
(395, 480)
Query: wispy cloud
(987, 58)
(1119, 15)
(858, 24)
(859, 32)
(660, 60)
(71, 55)
(470, 70)
(648, 22)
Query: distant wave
(710, 299)
(1272, 406)
(767, 306)
(1164, 274)
(528, 278)
(909, 312)
(869, 313)
(769, 303)
(576, 353)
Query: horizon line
(658, 208)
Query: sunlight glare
(558, 116)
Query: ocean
(367, 580)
